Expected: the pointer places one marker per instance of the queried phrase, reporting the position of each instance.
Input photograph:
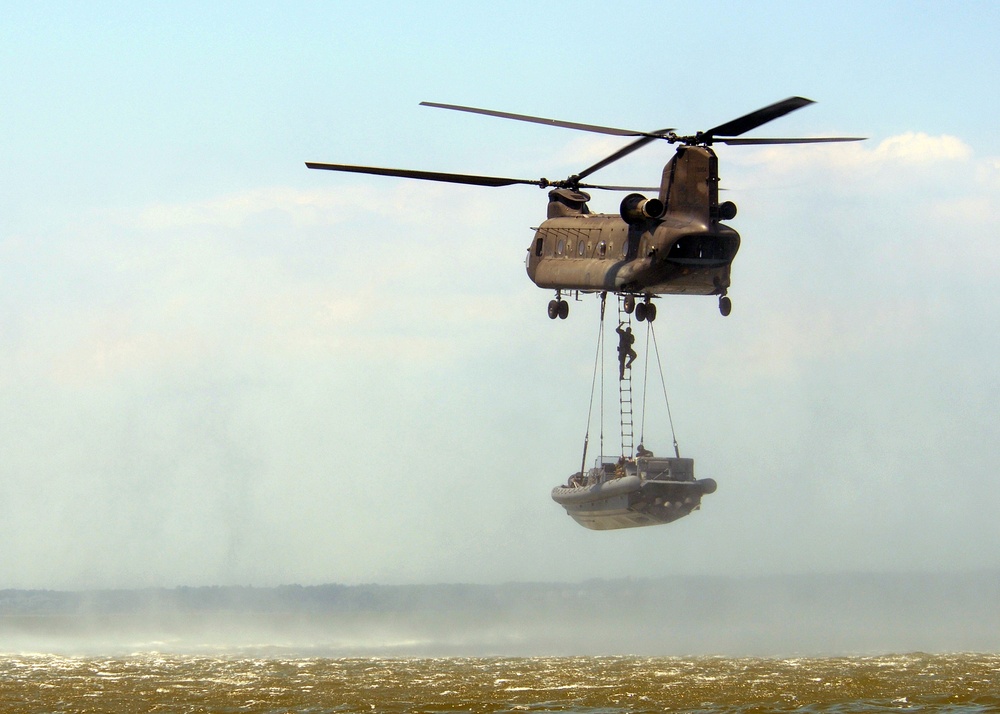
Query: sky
(220, 368)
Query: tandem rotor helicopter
(675, 243)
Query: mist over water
(831, 615)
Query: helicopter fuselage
(673, 244)
(602, 252)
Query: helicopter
(673, 243)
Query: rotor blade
(624, 151)
(620, 188)
(541, 120)
(761, 116)
(807, 140)
(428, 175)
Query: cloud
(102, 358)
(305, 207)
(861, 251)
(910, 149)
(918, 147)
(917, 204)
(796, 337)
(341, 274)
(382, 210)
(582, 151)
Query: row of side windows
(564, 248)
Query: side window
(560, 246)
(539, 243)
(581, 249)
(602, 248)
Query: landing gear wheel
(650, 312)
(725, 306)
(640, 311)
(563, 309)
(554, 309)
(629, 305)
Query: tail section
(690, 186)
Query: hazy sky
(218, 367)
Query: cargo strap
(598, 360)
(651, 337)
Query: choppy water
(155, 683)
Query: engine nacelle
(636, 208)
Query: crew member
(626, 355)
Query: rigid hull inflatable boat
(644, 491)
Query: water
(956, 684)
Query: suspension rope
(604, 296)
(645, 383)
(659, 365)
(598, 359)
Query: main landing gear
(725, 305)
(558, 308)
(644, 311)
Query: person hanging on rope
(626, 355)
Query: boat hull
(645, 492)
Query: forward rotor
(573, 182)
